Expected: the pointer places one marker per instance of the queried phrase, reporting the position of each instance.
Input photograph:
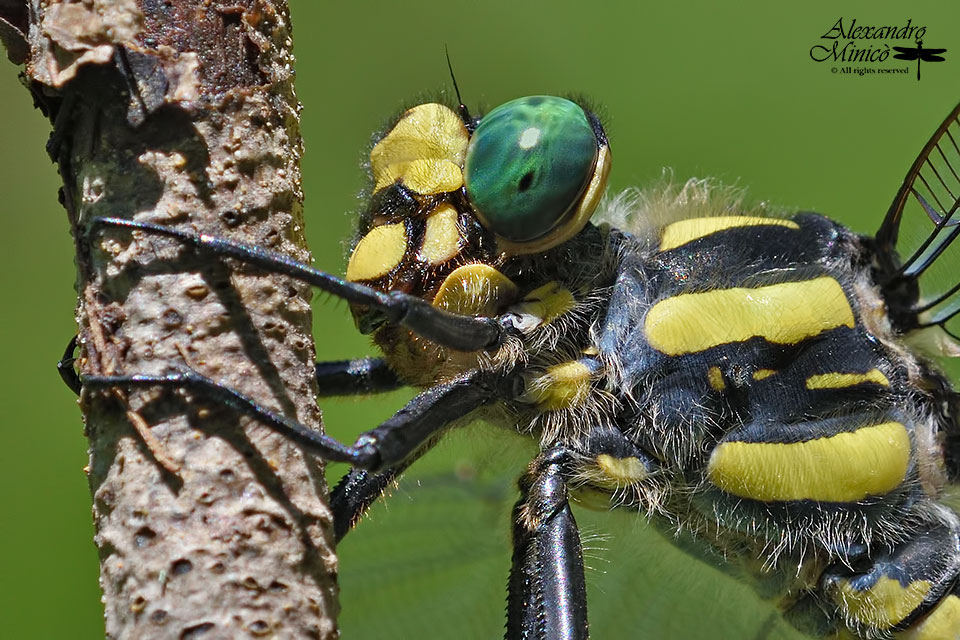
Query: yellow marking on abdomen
(715, 378)
(763, 374)
(561, 386)
(845, 467)
(378, 253)
(884, 604)
(943, 623)
(475, 290)
(441, 239)
(784, 313)
(684, 231)
(841, 380)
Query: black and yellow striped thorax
(763, 384)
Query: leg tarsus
(65, 367)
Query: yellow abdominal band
(845, 467)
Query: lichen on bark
(183, 113)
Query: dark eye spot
(525, 181)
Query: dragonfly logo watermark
(858, 49)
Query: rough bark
(183, 113)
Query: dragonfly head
(453, 206)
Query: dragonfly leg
(355, 377)
(65, 367)
(383, 447)
(459, 332)
(547, 593)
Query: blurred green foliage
(709, 89)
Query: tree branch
(183, 113)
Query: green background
(708, 89)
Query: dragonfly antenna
(464, 112)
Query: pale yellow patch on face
(529, 137)
(378, 253)
(425, 150)
(441, 240)
(475, 290)
(884, 604)
(684, 231)
(845, 467)
(784, 313)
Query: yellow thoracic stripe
(884, 604)
(784, 313)
(619, 472)
(845, 467)
(684, 231)
(841, 380)
(561, 386)
(378, 252)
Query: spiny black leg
(547, 597)
(339, 378)
(359, 489)
(385, 446)
(65, 367)
(355, 377)
(463, 333)
(354, 494)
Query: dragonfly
(918, 53)
(759, 383)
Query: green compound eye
(527, 165)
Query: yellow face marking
(715, 378)
(619, 472)
(547, 303)
(763, 374)
(841, 380)
(943, 623)
(425, 150)
(561, 386)
(684, 231)
(529, 137)
(884, 604)
(427, 176)
(378, 252)
(845, 467)
(475, 290)
(441, 239)
(784, 313)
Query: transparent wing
(920, 227)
